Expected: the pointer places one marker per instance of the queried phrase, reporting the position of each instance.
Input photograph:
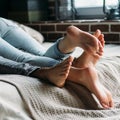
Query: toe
(105, 103)
(97, 33)
(101, 39)
(111, 103)
(105, 106)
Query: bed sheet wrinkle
(11, 104)
(47, 102)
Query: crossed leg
(78, 38)
(87, 59)
(88, 74)
(83, 70)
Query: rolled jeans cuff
(11, 67)
(59, 53)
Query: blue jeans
(11, 67)
(17, 45)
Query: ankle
(40, 73)
(65, 46)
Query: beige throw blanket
(73, 102)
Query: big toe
(97, 33)
(108, 101)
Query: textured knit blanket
(73, 102)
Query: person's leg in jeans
(21, 40)
(15, 36)
(8, 66)
(10, 52)
(56, 75)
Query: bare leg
(88, 74)
(57, 74)
(78, 38)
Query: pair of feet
(82, 70)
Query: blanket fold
(73, 102)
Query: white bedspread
(25, 98)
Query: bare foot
(87, 59)
(82, 39)
(87, 74)
(78, 38)
(57, 74)
(88, 77)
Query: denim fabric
(11, 67)
(18, 46)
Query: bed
(28, 98)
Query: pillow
(32, 32)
